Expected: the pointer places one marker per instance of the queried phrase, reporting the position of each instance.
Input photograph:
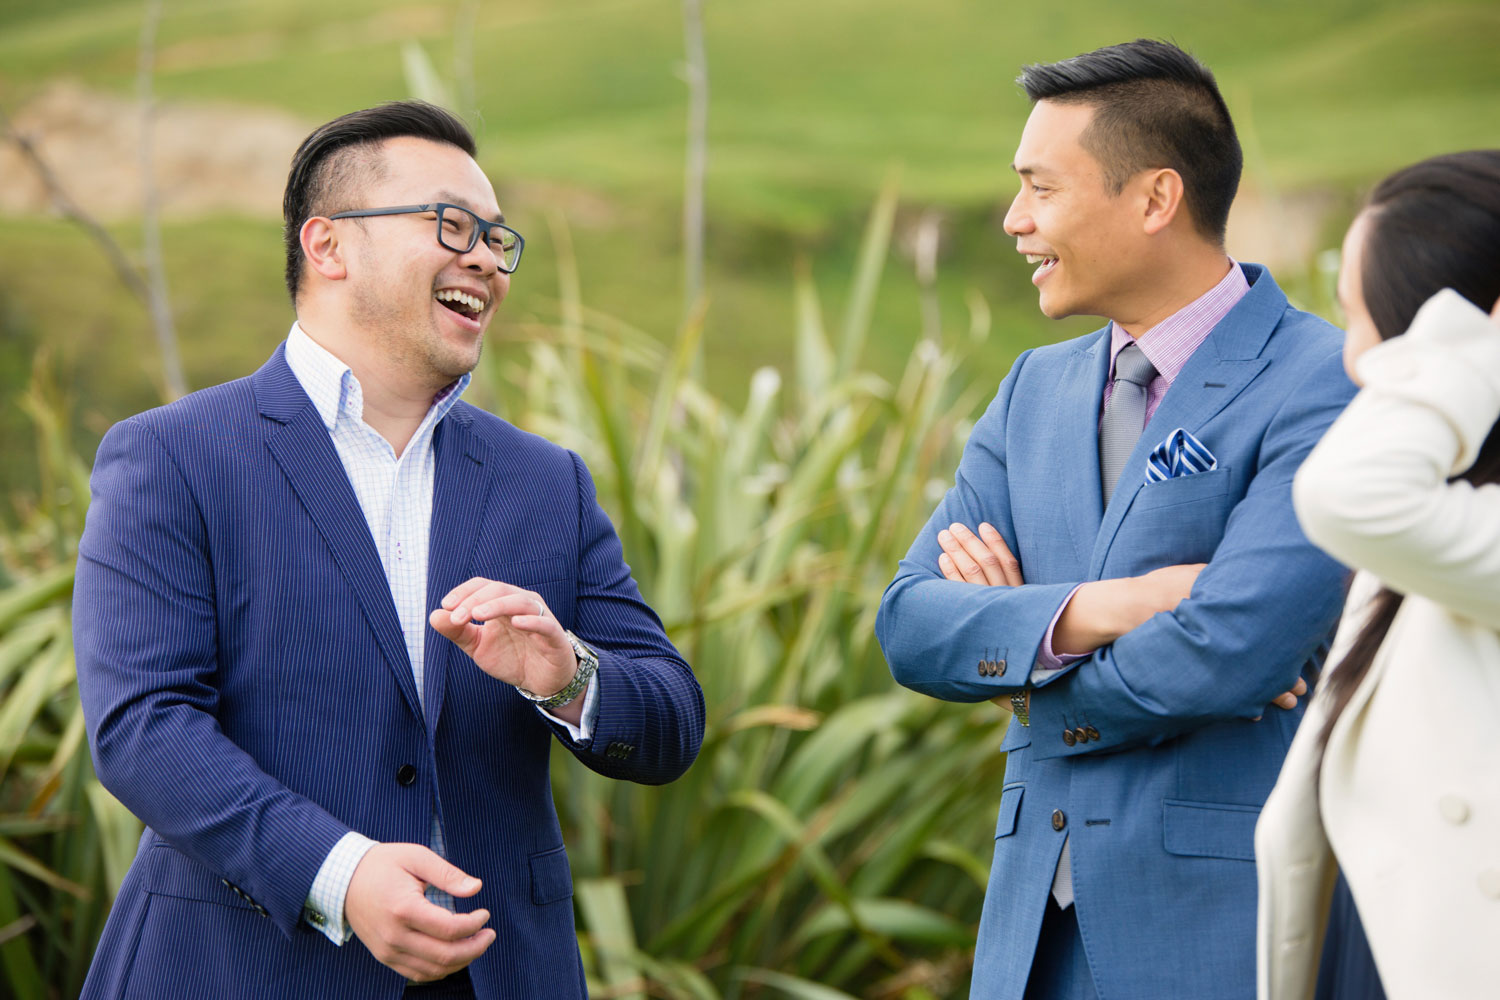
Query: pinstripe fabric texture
(249, 694)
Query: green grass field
(579, 103)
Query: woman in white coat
(1393, 779)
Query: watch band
(588, 663)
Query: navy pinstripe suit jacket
(248, 693)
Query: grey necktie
(1124, 419)
(1124, 415)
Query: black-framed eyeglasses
(459, 230)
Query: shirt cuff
(324, 908)
(585, 728)
(1047, 662)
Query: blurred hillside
(580, 109)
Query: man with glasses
(329, 619)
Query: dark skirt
(1347, 970)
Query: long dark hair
(1433, 225)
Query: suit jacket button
(1093, 733)
(1059, 819)
(405, 775)
(1081, 735)
(1068, 737)
(984, 668)
(1000, 668)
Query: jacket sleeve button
(1081, 735)
(1092, 733)
(1069, 738)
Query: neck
(394, 405)
(1174, 284)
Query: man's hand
(386, 908)
(1099, 612)
(510, 635)
(982, 558)
(1102, 611)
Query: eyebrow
(461, 201)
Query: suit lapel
(1077, 452)
(1219, 370)
(459, 497)
(306, 455)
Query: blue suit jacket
(1161, 807)
(249, 696)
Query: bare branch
(156, 272)
(129, 274)
(697, 156)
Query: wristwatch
(588, 662)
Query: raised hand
(508, 633)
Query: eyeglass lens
(458, 231)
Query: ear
(1162, 189)
(321, 247)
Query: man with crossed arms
(1138, 589)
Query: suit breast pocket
(1174, 521)
(553, 577)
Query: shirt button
(1059, 819)
(405, 775)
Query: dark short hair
(340, 156)
(1155, 106)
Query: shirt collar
(334, 390)
(1170, 343)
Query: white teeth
(1034, 258)
(473, 304)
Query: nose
(480, 259)
(1018, 217)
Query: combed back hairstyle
(343, 156)
(1433, 225)
(1155, 106)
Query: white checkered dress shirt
(395, 494)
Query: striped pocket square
(1180, 454)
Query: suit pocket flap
(1209, 829)
(1182, 489)
(168, 872)
(1016, 737)
(532, 573)
(1010, 805)
(551, 880)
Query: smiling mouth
(1046, 262)
(466, 305)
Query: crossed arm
(1179, 651)
(1097, 614)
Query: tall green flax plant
(833, 837)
